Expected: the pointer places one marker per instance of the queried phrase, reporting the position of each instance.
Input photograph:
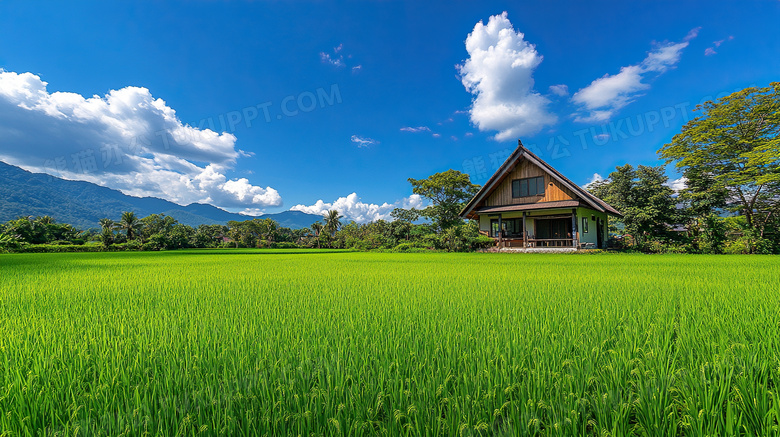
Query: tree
(107, 223)
(266, 229)
(45, 220)
(317, 228)
(332, 221)
(160, 225)
(130, 224)
(642, 197)
(9, 241)
(448, 193)
(180, 236)
(405, 215)
(731, 153)
(208, 235)
(243, 232)
(28, 230)
(106, 237)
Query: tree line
(729, 157)
(436, 227)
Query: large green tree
(642, 196)
(730, 154)
(448, 193)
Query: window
(585, 225)
(512, 227)
(528, 187)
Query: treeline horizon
(729, 157)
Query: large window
(528, 187)
(512, 227)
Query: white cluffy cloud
(596, 178)
(126, 140)
(352, 208)
(499, 72)
(678, 184)
(606, 95)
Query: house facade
(527, 204)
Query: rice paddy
(335, 343)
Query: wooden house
(528, 204)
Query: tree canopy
(448, 192)
(643, 198)
(730, 154)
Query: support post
(525, 232)
(500, 233)
(574, 227)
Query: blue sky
(265, 106)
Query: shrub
(133, 245)
(58, 248)
(747, 244)
(409, 247)
(284, 245)
(150, 246)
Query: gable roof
(522, 153)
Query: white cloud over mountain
(353, 208)
(499, 73)
(606, 95)
(126, 140)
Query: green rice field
(277, 343)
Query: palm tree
(45, 220)
(317, 228)
(8, 241)
(332, 221)
(130, 223)
(107, 223)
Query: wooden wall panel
(553, 190)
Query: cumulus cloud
(678, 184)
(499, 73)
(560, 90)
(606, 95)
(353, 208)
(363, 141)
(416, 129)
(126, 140)
(596, 178)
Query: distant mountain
(82, 204)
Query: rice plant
(337, 343)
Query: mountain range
(82, 204)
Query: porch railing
(534, 242)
